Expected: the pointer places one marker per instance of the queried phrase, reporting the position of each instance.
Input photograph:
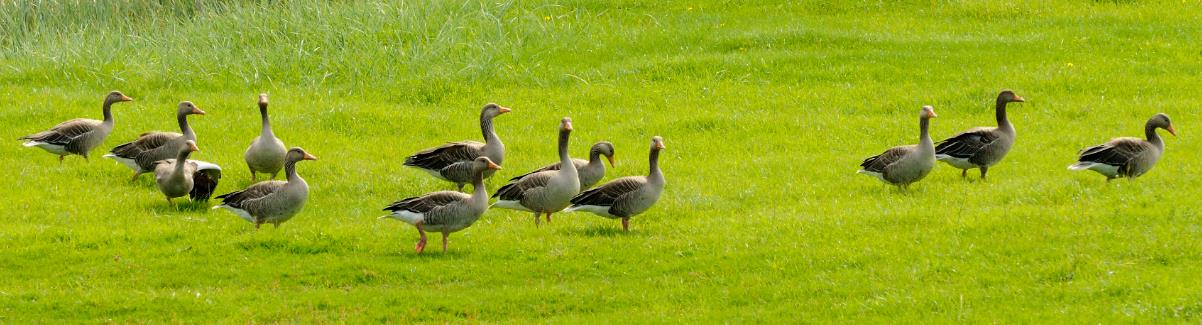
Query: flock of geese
(565, 185)
(982, 147)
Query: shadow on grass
(601, 231)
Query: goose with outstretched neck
(904, 165)
(544, 192)
(182, 176)
(78, 136)
(271, 201)
(266, 154)
(140, 155)
(981, 147)
(590, 171)
(445, 211)
(453, 161)
(625, 197)
(1127, 157)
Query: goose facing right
(904, 165)
(140, 155)
(266, 154)
(1127, 157)
(77, 136)
(625, 197)
(271, 201)
(981, 147)
(445, 211)
(453, 161)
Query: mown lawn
(766, 111)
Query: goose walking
(590, 171)
(904, 165)
(271, 201)
(181, 176)
(445, 211)
(266, 154)
(453, 161)
(625, 197)
(981, 147)
(1127, 157)
(140, 155)
(546, 191)
(77, 136)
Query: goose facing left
(904, 165)
(78, 136)
(140, 155)
(182, 176)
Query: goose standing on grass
(180, 176)
(445, 211)
(150, 147)
(77, 136)
(1127, 157)
(625, 197)
(266, 153)
(981, 147)
(271, 201)
(453, 161)
(546, 191)
(904, 165)
(590, 171)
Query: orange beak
(1171, 130)
(493, 166)
(504, 110)
(193, 147)
(931, 114)
(309, 157)
(611, 160)
(262, 99)
(197, 111)
(659, 145)
(1019, 99)
(125, 98)
(567, 126)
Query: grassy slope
(766, 110)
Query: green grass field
(766, 111)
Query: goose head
(565, 125)
(928, 112)
(1160, 120)
(605, 148)
(483, 163)
(492, 110)
(1008, 96)
(189, 147)
(187, 108)
(657, 143)
(263, 101)
(297, 154)
(116, 96)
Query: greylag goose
(445, 211)
(1127, 157)
(453, 161)
(271, 201)
(903, 165)
(180, 176)
(980, 147)
(140, 155)
(591, 171)
(625, 197)
(546, 191)
(77, 136)
(266, 153)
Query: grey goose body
(544, 192)
(141, 154)
(452, 161)
(981, 147)
(445, 211)
(271, 201)
(1127, 157)
(589, 171)
(625, 197)
(904, 165)
(182, 176)
(77, 136)
(266, 153)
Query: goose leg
(461, 187)
(421, 243)
(60, 160)
(626, 224)
(252, 174)
(548, 217)
(275, 173)
(963, 173)
(258, 222)
(135, 177)
(983, 171)
(444, 242)
(536, 219)
(169, 203)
